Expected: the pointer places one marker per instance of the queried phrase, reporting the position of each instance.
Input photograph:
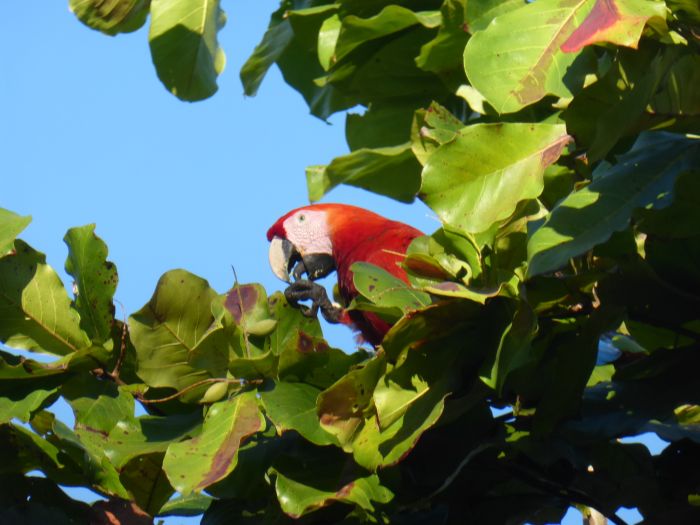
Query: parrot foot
(304, 290)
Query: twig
(122, 347)
(177, 394)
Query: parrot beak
(286, 262)
(283, 255)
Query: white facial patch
(308, 231)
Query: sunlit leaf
(530, 52)
(35, 311)
(95, 279)
(392, 171)
(479, 177)
(11, 225)
(177, 339)
(292, 406)
(184, 46)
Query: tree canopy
(556, 140)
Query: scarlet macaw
(317, 239)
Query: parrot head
(300, 242)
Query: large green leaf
(131, 438)
(177, 339)
(310, 360)
(184, 46)
(644, 177)
(392, 171)
(111, 16)
(292, 406)
(275, 40)
(341, 406)
(375, 447)
(95, 278)
(98, 407)
(11, 225)
(35, 311)
(444, 52)
(355, 31)
(479, 177)
(148, 487)
(385, 290)
(195, 464)
(21, 404)
(528, 53)
(299, 498)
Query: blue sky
(89, 135)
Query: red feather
(359, 235)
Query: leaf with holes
(95, 278)
(178, 341)
(111, 16)
(35, 311)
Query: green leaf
(184, 46)
(131, 438)
(96, 281)
(35, 311)
(479, 177)
(375, 447)
(380, 126)
(392, 19)
(392, 171)
(513, 349)
(518, 59)
(292, 406)
(111, 16)
(22, 406)
(299, 63)
(11, 225)
(432, 128)
(91, 459)
(276, 39)
(290, 322)
(177, 339)
(444, 52)
(298, 499)
(611, 108)
(480, 13)
(341, 406)
(148, 487)
(308, 359)
(191, 505)
(644, 177)
(385, 290)
(195, 464)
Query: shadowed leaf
(111, 16)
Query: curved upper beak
(283, 255)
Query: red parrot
(320, 238)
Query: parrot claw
(303, 290)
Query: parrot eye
(302, 218)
